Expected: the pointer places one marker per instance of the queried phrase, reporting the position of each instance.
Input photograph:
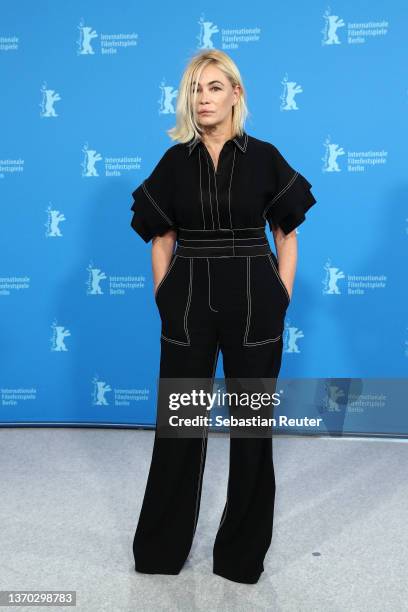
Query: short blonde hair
(186, 127)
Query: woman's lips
(205, 112)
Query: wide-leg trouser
(236, 305)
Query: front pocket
(266, 303)
(274, 264)
(174, 299)
(171, 264)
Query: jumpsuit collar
(240, 141)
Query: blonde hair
(186, 127)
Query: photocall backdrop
(88, 92)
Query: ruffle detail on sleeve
(288, 207)
(153, 201)
(149, 219)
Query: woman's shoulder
(265, 151)
(266, 147)
(173, 155)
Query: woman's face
(215, 97)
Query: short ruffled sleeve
(292, 196)
(152, 206)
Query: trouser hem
(235, 578)
(142, 569)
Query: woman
(221, 289)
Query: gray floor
(71, 497)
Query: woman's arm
(162, 250)
(286, 249)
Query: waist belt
(222, 242)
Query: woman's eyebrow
(211, 82)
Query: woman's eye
(213, 87)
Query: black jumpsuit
(222, 291)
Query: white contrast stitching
(245, 342)
(218, 256)
(278, 276)
(209, 189)
(199, 482)
(216, 193)
(224, 514)
(188, 343)
(155, 204)
(174, 341)
(188, 301)
(226, 229)
(229, 201)
(209, 287)
(219, 239)
(244, 146)
(201, 189)
(241, 246)
(165, 276)
(208, 156)
(203, 447)
(282, 191)
(191, 145)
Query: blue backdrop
(88, 92)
